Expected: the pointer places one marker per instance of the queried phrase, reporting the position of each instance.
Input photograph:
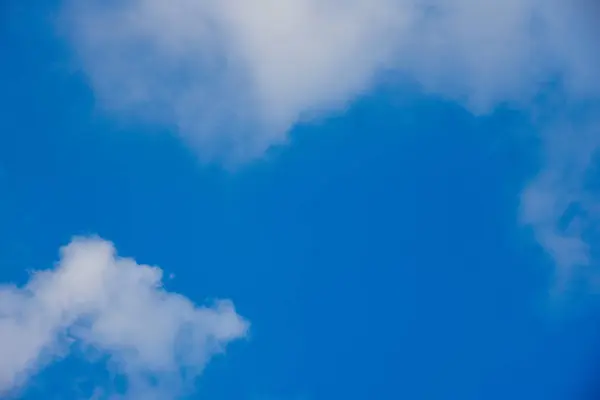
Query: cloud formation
(235, 75)
(232, 76)
(95, 301)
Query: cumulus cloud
(94, 301)
(235, 75)
(232, 76)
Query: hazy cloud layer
(94, 301)
(232, 76)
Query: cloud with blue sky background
(231, 79)
(103, 303)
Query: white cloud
(93, 299)
(232, 76)
(235, 75)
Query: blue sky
(378, 250)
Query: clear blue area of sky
(377, 256)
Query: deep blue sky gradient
(377, 256)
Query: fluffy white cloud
(232, 76)
(94, 300)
